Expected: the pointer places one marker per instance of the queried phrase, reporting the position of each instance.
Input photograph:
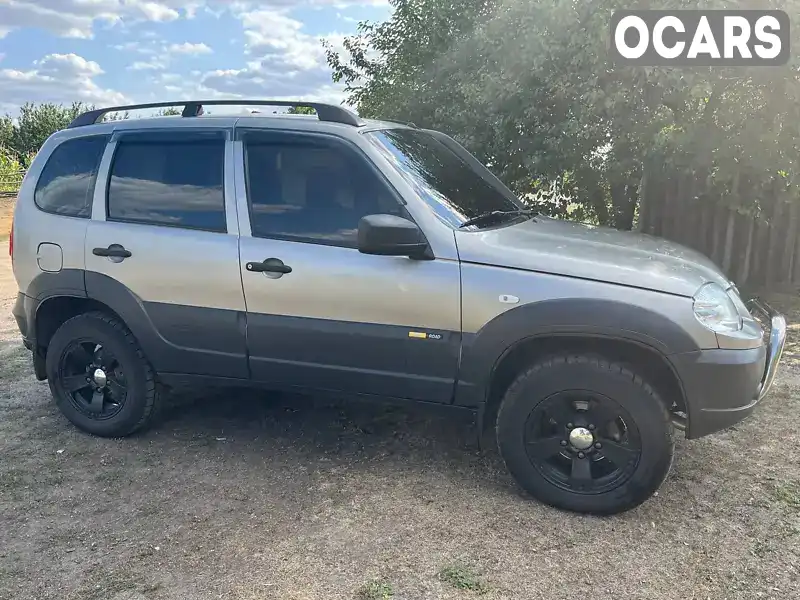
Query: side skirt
(183, 382)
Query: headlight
(715, 309)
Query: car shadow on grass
(334, 432)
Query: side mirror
(389, 235)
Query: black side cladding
(177, 338)
(369, 358)
(579, 317)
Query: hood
(579, 250)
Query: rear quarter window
(66, 185)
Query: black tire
(142, 399)
(558, 377)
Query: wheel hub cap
(581, 438)
(100, 377)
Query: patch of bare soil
(6, 212)
(243, 497)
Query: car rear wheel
(99, 376)
(584, 434)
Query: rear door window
(169, 179)
(66, 185)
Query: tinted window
(311, 190)
(66, 185)
(169, 179)
(449, 185)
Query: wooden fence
(10, 182)
(757, 247)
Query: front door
(162, 252)
(324, 315)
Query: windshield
(452, 188)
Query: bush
(11, 171)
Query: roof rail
(192, 108)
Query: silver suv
(380, 260)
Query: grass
(376, 589)
(111, 476)
(14, 363)
(788, 493)
(106, 583)
(463, 577)
(17, 482)
(12, 479)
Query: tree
(38, 122)
(167, 112)
(115, 116)
(530, 89)
(6, 131)
(301, 110)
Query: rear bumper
(24, 311)
(725, 386)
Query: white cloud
(283, 61)
(154, 65)
(286, 62)
(76, 18)
(60, 78)
(190, 48)
(137, 47)
(155, 11)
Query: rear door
(162, 248)
(339, 320)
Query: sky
(112, 52)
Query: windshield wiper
(496, 215)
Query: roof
(328, 117)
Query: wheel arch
(616, 329)
(644, 359)
(54, 311)
(59, 299)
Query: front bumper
(775, 324)
(724, 386)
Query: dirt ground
(248, 498)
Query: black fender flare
(583, 317)
(80, 284)
(218, 350)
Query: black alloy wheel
(99, 376)
(585, 434)
(582, 442)
(93, 379)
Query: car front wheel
(585, 434)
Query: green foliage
(36, 123)
(167, 112)
(375, 590)
(11, 171)
(6, 131)
(115, 116)
(462, 577)
(301, 110)
(530, 89)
